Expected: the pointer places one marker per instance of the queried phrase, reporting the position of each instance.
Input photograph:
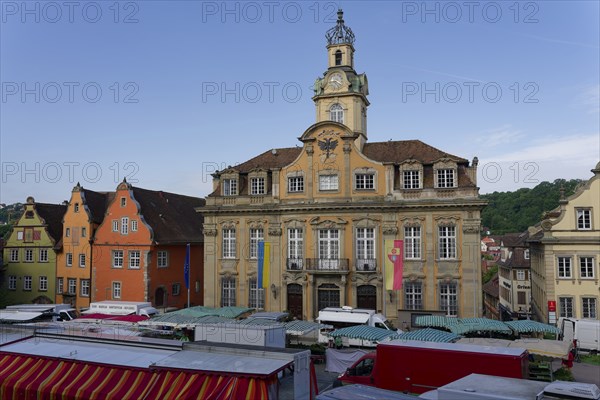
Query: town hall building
(328, 206)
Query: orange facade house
(140, 247)
(85, 213)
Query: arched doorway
(294, 300)
(159, 297)
(366, 297)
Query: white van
(122, 308)
(342, 317)
(585, 331)
(55, 312)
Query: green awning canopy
(429, 335)
(467, 325)
(364, 332)
(528, 326)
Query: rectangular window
(447, 242)
(564, 267)
(256, 296)
(256, 235)
(584, 219)
(586, 267)
(124, 226)
(14, 255)
(27, 280)
(43, 283)
(134, 259)
(76, 207)
(412, 242)
(85, 288)
(176, 289)
(365, 247)
(364, 181)
(413, 296)
(296, 184)
(123, 201)
(116, 290)
(228, 292)
(162, 259)
(83, 231)
(449, 299)
(12, 282)
(134, 225)
(117, 256)
(589, 307)
(29, 235)
(521, 297)
(28, 255)
(328, 182)
(228, 243)
(329, 249)
(526, 254)
(230, 187)
(445, 178)
(115, 225)
(295, 248)
(257, 186)
(68, 232)
(82, 260)
(69, 258)
(72, 286)
(411, 180)
(520, 275)
(59, 285)
(565, 307)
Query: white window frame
(82, 260)
(135, 259)
(412, 242)
(329, 249)
(521, 275)
(589, 307)
(85, 287)
(125, 226)
(448, 296)
(28, 256)
(526, 254)
(445, 178)
(329, 182)
(364, 181)
(14, 255)
(584, 219)
(72, 286)
(117, 290)
(587, 267)
(256, 296)
(566, 310)
(115, 225)
(83, 231)
(134, 225)
(411, 179)
(295, 184)
(67, 232)
(228, 292)
(43, 283)
(258, 186)
(12, 282)
(256, 235)
(117, 258)
(413, 296)
(162, 259)
(229, 243)
(69, 259)
(230, 187)
(295, 243)
(564, 267)
(27, 283)
(365, 243)
(336, 113)
(60, 285)
(447, 242)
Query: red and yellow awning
(31, 377)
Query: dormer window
(336, 113)
(230, 187)
(257, 186)
(411, 179)
(338, 57)
(584, 219)
(364, 181)
(446, 178)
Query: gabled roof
(52, 214)
(276, 158)
(398, 151)
(173, 217)
(492, 288)
(97, 203)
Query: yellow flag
(266, 265)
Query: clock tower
(341, 94)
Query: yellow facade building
(328, 205)
(565, 252)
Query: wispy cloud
(590, 99)
(576, 148)
(500, 136)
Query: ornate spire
(340, 33)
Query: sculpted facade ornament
(446, 220)
(471, 228)
(274, 230)
(389, 229)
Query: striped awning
(31, 377)
(299, 327)
(528, 326)
(364, 332)
(429, 335)
(435, 321)
(467, 325)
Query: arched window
(338, 57)
(336, 113)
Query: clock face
(335, 80)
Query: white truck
(342, 317)
(54, 312)
(122, 308)
(585, 331)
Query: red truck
(417, 367)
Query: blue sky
(166, 92)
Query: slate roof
(52, 214)
(173, 217)
(97, 203)
(398, 151)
